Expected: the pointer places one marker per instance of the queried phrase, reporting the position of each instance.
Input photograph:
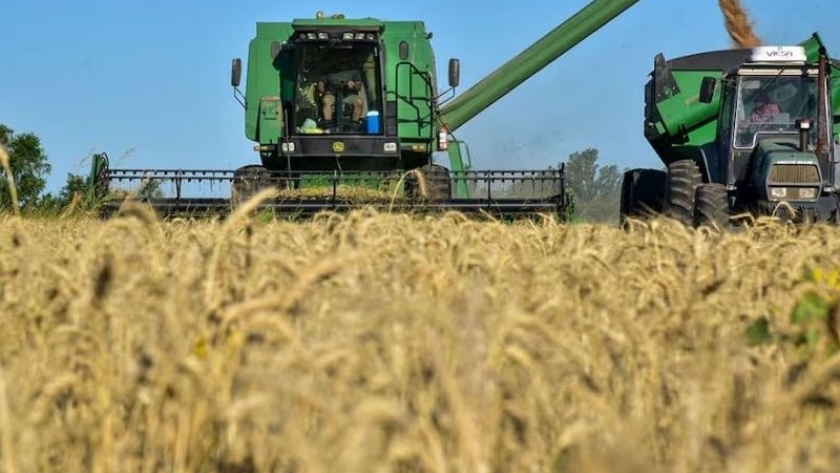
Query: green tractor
(745, 132)
(346, 112)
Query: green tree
(150, 189)
(74, 187)
(29, 165)
(50, 203)
(596, 189)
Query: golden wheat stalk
(6, 434)
(10, 177)
(380, 342)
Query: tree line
(596, 189)
(29, 166)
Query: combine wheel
(683, 178)
(438, 185)
(641, 193)
(711, 206)
(247, 182)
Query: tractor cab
(771, 106)
(337, 81)
(771, 145)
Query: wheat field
(387, 343)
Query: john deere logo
(338, 146)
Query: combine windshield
(337, 88)
(771, 105)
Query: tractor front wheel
(711, 206)
(683, 178)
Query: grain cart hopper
(742, 131)
(347, 112)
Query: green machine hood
(782, 164)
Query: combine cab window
(771, 105)
(337, 87)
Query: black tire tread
(642, 194)
(683, 177)
(247, 182)
(711, 206)
(438, 184)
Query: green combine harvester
(741, 132)
(347, 113)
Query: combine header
(347, 113)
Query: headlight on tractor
(794, 193)
(778, 192)
(807, 193)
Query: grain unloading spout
(530, 61)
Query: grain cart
(742, 131)
(346, 112)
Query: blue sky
(148, 81)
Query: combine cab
(745, 131)
(347, 112)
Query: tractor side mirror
(454, 72)
(707, 89)
(236, 72)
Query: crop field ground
(388, 343)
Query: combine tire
(438, 185)
(711, 206)
(642, 192)
(247, 182)
(683, 178)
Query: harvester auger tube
(541, 53)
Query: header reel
(213, 192)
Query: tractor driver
(782, 98)
(764, 109)
(349, 82)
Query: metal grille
(794, 174)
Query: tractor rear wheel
(438, 186)
(711, 206)
(248, 181)
(642, 191)
(683, 178)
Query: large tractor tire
(642, 194)
(438, 186)
(711, 206)
(683, 178)
(248, 181)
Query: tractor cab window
(337, 86)
(772, 105)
